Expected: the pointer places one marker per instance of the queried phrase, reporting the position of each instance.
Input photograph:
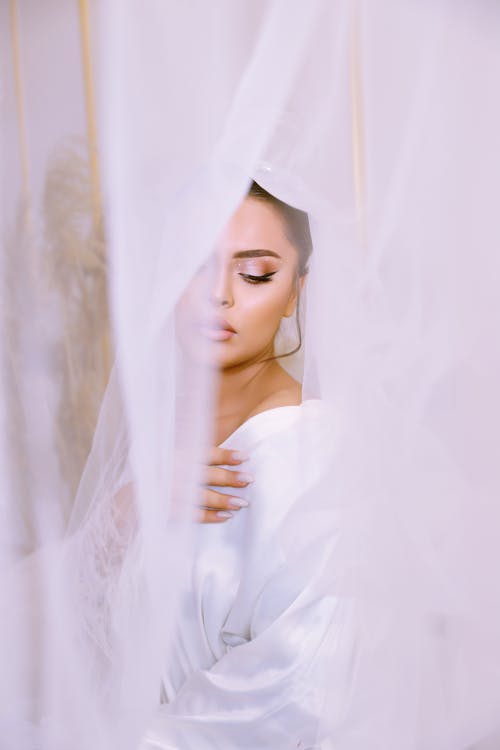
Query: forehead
(255, 225)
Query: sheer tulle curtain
(55, 351)
(370, 119)
(174, 175)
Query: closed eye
(251, 279)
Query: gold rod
(88, 81)
(20, 106)
(95, 179)
(357, 122)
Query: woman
(260, 270)
(244, 665)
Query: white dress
(243, 673)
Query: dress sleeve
(267, 692)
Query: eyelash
(250, 279)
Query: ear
(294, 294)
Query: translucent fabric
(355, 605)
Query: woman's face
(232, 308)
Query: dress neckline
(265, 414)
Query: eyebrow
(256, 254)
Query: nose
(222, 295)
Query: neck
(241, 388)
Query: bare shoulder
(283, 391)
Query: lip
(217, 329)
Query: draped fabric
(354, 602)
(246, 665)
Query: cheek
(262, 308)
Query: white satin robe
(243, 673)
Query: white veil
(379, 120)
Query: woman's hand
(217, 507)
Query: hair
(298, 231)
(296, 224)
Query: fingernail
(239, 456)
(224, 514)
(238, 502)
(245, 478)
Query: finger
(218, 477)
(219, 501)
(206, 515)
(218, 456)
